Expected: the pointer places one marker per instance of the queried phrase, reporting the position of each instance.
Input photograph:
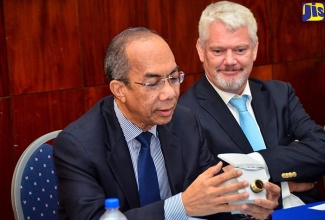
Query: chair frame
(19, 169)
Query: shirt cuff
(285, 190)
(174, 208)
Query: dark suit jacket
(282, 120)
(92, 163)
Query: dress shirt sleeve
(285, 190)
(174, 208)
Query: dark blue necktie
(248, 124)
(147, 174)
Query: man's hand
(206, 195)
(263, 208)
(300, 187)
(227, 168)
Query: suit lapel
(264, 112)
(119, 159)
(170, 146)
(212, 103)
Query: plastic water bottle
(112, 212)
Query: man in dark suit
(294, 150)
(98, 156)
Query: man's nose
(168, 90)
(230, 58)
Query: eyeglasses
(156, 83)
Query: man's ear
(118, 89)
(200, 50)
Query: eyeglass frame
(159, 80)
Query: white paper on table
(320, 207)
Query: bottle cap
(112, 203)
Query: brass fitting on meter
(257, 186)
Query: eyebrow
(222, 47)
(243, 45)
(153, 75)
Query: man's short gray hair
(231, 14)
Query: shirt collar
(129, 129)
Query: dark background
(51, 59)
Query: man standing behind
(286, 139)
(139, 146)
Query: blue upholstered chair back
(38, 190)
(34, 184)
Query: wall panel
(6, 158)
(43, 45)
(263, 72)
(307, 77)
(177, 22)
(94, 94)
(292, 38)
(37, 114)
(4, 79)
(100, 21)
